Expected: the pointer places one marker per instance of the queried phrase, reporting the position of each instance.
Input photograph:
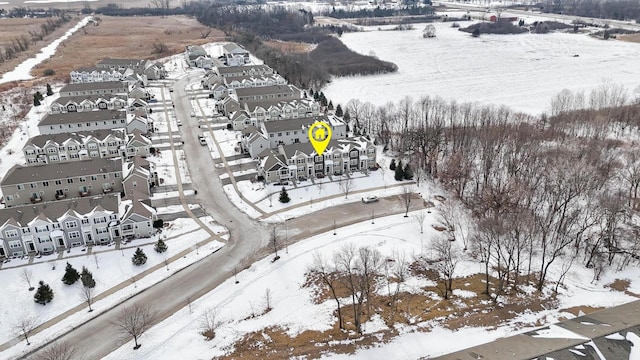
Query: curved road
(97, 337)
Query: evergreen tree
(36, 101)
(139, 258)
(284, 196)
(49, 91)
(330, 106)
(39, 95)
(399, 175)
(339, 111)
(71, 275)
(311, 93)
(475, 33)
(160, 246)
(44, 294)
(408, 173)
(346, 117)
(323, 100)
(86, 277)
(392, 166)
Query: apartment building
(247, 70)
(266, 93)
(93, 121)
(88, 103)
(96, 88)
(59, 148)
(50, 182)
(235, 55)
(152, 70)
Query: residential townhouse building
(93, 121)
(197, 56)
(247, 70)
(152, 70)
(96, 88)
(88, 74)
(50, 182)
(255, 140)
(50, 227)
(59, 148)
(255, 113)
(88, 103)
(235, 55)
(297, 161)
(266, 93)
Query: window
(99, 220)
(94, 178)
(41, 229)
(33, 186)
(85, 221)
(71, 224)
(58, 182)
(11, 233)
(14, 244)
(279, 134)
(83, 179)
(69, 181)
(26, 230)
(73, 235)
(103, 230)
(92, 146)
(105, 176)
(45, 183)
(116, 175)
(9, 197)
(51, 150)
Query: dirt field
(126, 37)
(11, 28)
(630, 38)
(77, 4)
(291, 47)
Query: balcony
(84, 193)
(60, 196)
(35, 200)
(107, 190)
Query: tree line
(607, 9)
(543, 191)
(21, 43)
(379, 12)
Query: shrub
(49, 72)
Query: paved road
(247, 243)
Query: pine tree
(71, 275)
(346, 116)
(330, 106)
(392, 166)
(139, 258)
(44, 294)
(408, 173)
(311, 93)
(39, 95)
(160, 246)
(399, 175)
(339, 112)
(284, 196)
(86, 277)
(36, 101)
(49, 91)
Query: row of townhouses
(85, 180)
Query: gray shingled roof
(82, 116)
(55, 209)
(251, 105)
(41, 140)
(292, 124)
(92, 68)
(235, 69)
(121, 62)
(80, 98)
(266, 90)
(26, 174)
(93, 86)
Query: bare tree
(24, 325)
(95, 258)
(274, 242)
(87, 293)
(26, 275)
(328, 274)
(267, 300)
(407, 192)
(447, 257)
(346, 185)
(419, 217)
(57, 351)
(396, 268)
(134, 321)
(209, 323)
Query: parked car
(192, 114)
(369, 199)
(170, 89)
(202, 140)
(179, 122)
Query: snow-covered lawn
(228, 141)
(109, 266)
(521, 71)
(294, 311)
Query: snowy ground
(521, 71)
(293, 310)
(109, 266)
(22, 71)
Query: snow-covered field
(521, 71)
(293, 310)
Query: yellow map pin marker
(319, 136)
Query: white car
(179, 122)
(369, 199)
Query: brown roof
(80, 136)
(266, 90)
(27, 174)
(82, 116)
(94, 86)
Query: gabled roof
(81, 136)
(292, 124)
(94, 86)
(244, 69)
(19, 174)
(64, 100)
(271, 160)
(122, 62)
(82, 116)
(267, 90)
(139, 208)
(233, 48)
